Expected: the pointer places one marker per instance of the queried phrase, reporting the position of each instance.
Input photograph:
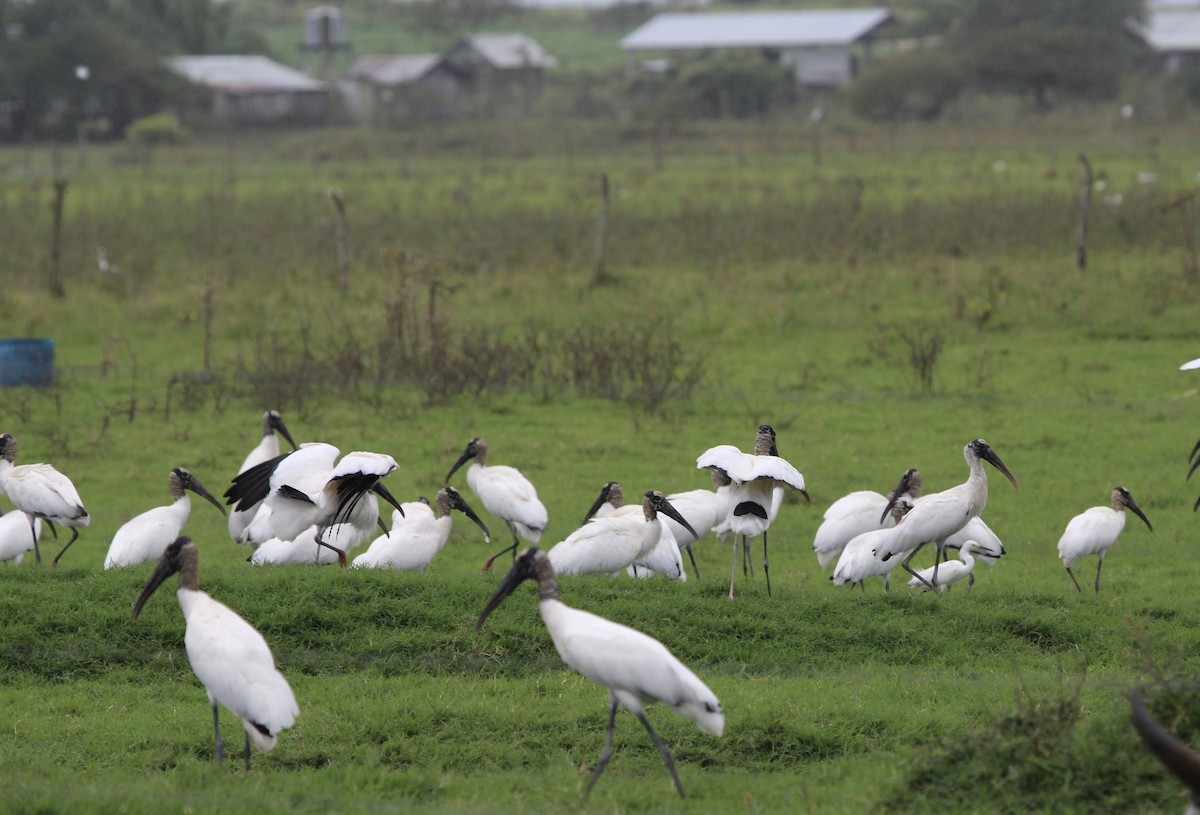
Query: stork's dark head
(181, 553)
(531, 564)
(984, 451)
(764, 442)
(476, 449)
(454, 500)
(8, 447)
(910, 485)
(187, 481)
(610, 493)
(655, 502)
(1122, 498)
(273, 422)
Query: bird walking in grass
(144, 537)
(1095, 530)
(414, 544)
(756, 493)
(857, 561)
(856, 513)
(505, 493)
(40, 491)
(637, 669)
(952, 570)
(230, 658)
(936, 517)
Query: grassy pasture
(765, 289)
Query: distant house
(1173, 31)
(500, 72)
(254, 90)
(820, 46)
(385, 89)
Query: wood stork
(505, 493)
(305, 488)
(228, 655)
(637, 669)
(144, 537)
(989, 548)
(17, 537)
(664, 558)
(1181, 760)
(265, 450)
(857, 561)
(303, 549)
(757, 488)
(40, 491)
(856, 513)
(952, 570)
(937, 516)
(704, 509)
(619, 539)
(1095, 530)
(413, 544)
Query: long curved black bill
(1176, 756)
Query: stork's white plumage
(704, 509)
(623, 537)
(303, 549)
(231, 659)
(306, 488)
(636, 669)
(505, 493)
(856, 513)
(989, 549)
(857, 561)
(40, 491)
(266, 449)
(413, 544)
(1095, 530)
(756, 492)
(144, 537)
(664, 558)
(939, 515)
(952, 571)
(16, 536)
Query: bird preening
(637, 669)
(40, 491)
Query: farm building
(822, 47)
(255, 90)
(499, 72)
(390, 88)
(1172, 30)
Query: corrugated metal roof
(760, 29)
(237, 73)
(1171, 30)
(507, 51)
(393, 69)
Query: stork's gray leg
(1098, 565)
(733, 570)
(246, 751)
(1073, 580)
(937, 561)
(766, 568)
(33, 531)
(606, 753)
(662, 749)
(909, 569)
(693, 559)
(74, 535)
(217, 729)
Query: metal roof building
(506, 52)
(1172, 32)
(254, 89)
(816, 44)
(757, 29)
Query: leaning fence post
(56, 286)
(1085, 203)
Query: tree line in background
(93, 67)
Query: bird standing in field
(1181, 760)
(306, 488)
(16, 536)
(856, 513)
(505, 493)
(145, 536)
(858, 562)
(40, 491)
(1095, 530)
(636, 669)
(952, 570)
(756, 492)
(413, 544)
(623, 536)
(937, 516)
(704, 509)
(663, 557)
(266, 449)
(231, 659)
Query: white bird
(1095, 530)
(952, 570)
(305, 488)
(856, 513)
(413, 544)
(636, 669)
(609, 544)
(40, 491)
(17, 537)
(989, 548)
(144, 537)
(266, 449)
(303, 549)
(664, 558)
(704, 509)
(505, 493)
(857, 561)
(228, 655)
(938, 516)
(756, 492)
(1181, 760)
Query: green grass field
(744, 286)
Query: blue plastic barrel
(26, 362)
